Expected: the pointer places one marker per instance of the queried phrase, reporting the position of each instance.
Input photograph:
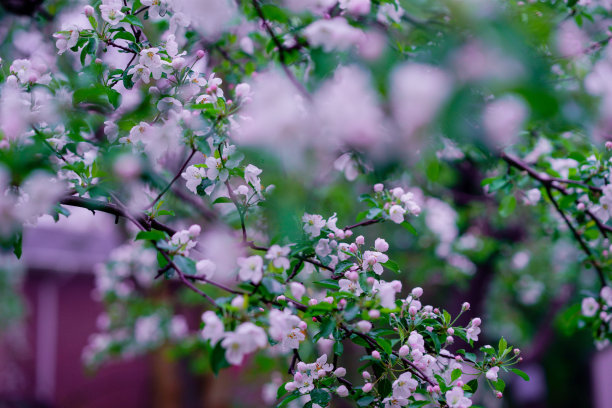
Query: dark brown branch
(583, 244)
(96, 205)
(121, 47)
(363, 224)
(549, 185)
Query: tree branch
(281, 50)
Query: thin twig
(176, 177)
(281, 50)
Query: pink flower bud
(465, 306)
(342, 303)
(449, 340)
(580, 206)
(342, 391)
(396, 285)
(376, 355)
(450, 331)
(330, 235)
(354, 276)
(429, 329)
(517, 351)
(298, 377)
(353, 248)
(429, 389)
(281, 298)
(364, 326)
(313, 302)
(609, 145)
(360, 240)
(302, 325)
(200, 54)
(498, 394)
(412, 310)
(458, 358)
(370, 280)
(392, 315)
(417, 292)
(340, 234)
(379, 187)
(88, 10)
(367, 387)
(366, 375)
(321, 373)
(374, 314)
(195, 230)
(459, 383)
(291, 386)
(340, 372)
(301, 366)
(348, 233)
(436, 388)
(404, 351)
(476, 321)
(178, 63)
(436, 311)
(328, 299)
(381, 245)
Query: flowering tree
(251, 146)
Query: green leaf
(433, 170)
(165, 212)
(499, 385)
(133, 20)
(287, 400)
(338, 348)
(153, 235)
(125, 35)
(217, 359)
(373, 213)
(222, 200)
(409, 227)
(366, 401)
(274, 13)
(385, 345)
(520, 373)
(273, 286)
(503, 344)
(18, 244)
(343, 266)
(456, 373)
(328, 284)
(447, 316)
(351, 311)
(473, 385)
(186, 265)
(507, 206)
(391, 265)
(320, 397)
(384, 387)
(96, 95)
